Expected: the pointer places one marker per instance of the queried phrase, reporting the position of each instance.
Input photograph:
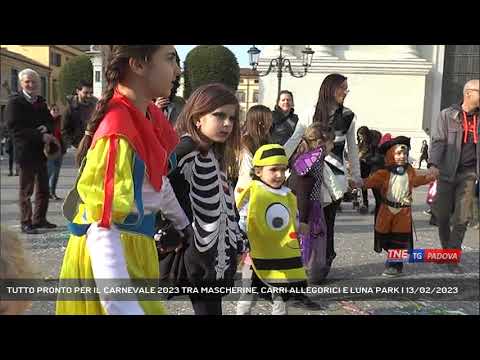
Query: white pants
(247, 301)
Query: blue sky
(240, 52)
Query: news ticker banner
(378, 289)
(439, 256)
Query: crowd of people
(159, 196)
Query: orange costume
(393, 224)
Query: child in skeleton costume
(306, 182)
(269, 215)
(122, 184)
(393, 224)
(210, 136)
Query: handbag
(333, 187)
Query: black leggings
(365, 197)
(378, 200)
(330, 213)
(206, 305)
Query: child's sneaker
(392, 270)
(428, 212)
(473, 224)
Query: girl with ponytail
(122, 182)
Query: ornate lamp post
(282, 64)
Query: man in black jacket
(29, 123)
(77, 113)
(454, 159)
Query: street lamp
(281, 63)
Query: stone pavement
(354, 246)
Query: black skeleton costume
(206, 197)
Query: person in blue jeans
(54, 164)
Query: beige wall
(389, 87)
(66, 54)
(248, 86)
(41, 54)
(6, 87)
(7, 64)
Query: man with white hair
(30, 124)
(454, 159)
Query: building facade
(393, 88)
(11, 64)
(96, 57)
(248, 91)
(51, 56)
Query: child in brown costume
(393, 225)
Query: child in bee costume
(268, 215)
(393, 224)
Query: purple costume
(306, 182)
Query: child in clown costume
(122, 182)
(269, 215)
(395, 182)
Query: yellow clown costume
(112, 209)
(269, 217)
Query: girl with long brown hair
(210, 137)
(255, 133)
(334, 117)
(122, 183)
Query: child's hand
(355, 184)
(433, 173)
(304, 229)
(351, 184)
(162, 102)
(329, 147)
(241, 259)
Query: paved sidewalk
(354, 246)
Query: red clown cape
(153, 140)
